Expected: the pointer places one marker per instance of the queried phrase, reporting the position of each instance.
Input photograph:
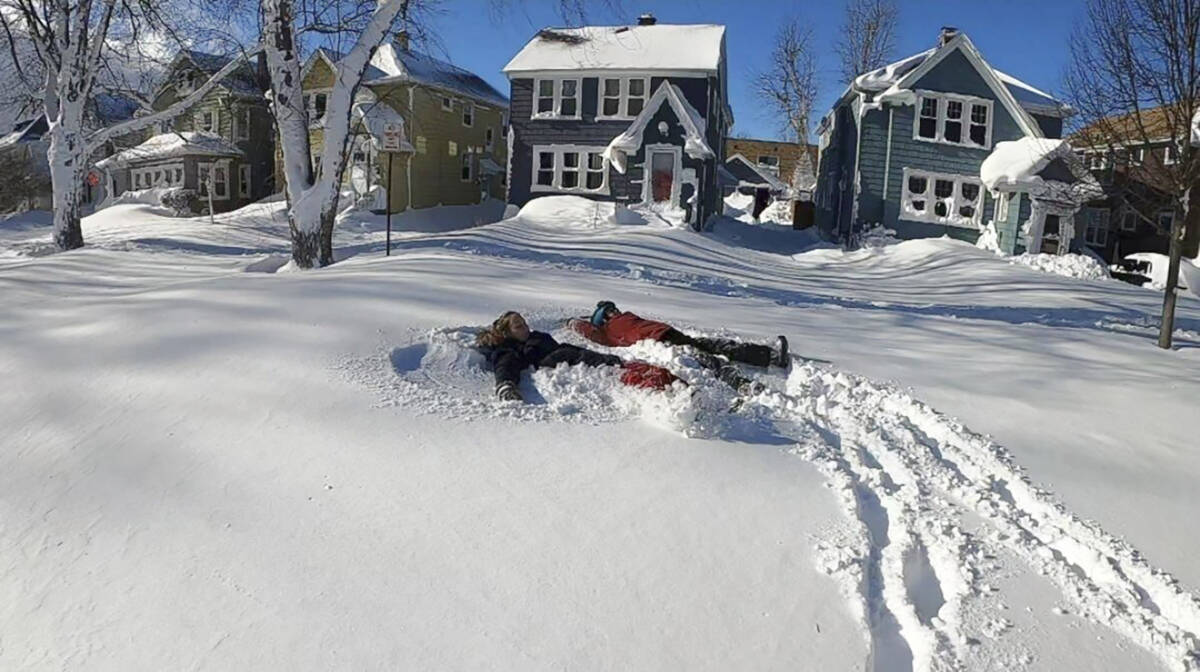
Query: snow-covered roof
(242, 81)
(1017, 165)
(375, 116)
(172, 145)
(750, 175)
(29, 130)
(392, 64)
(693, 124)
(891, 78)
(652, 47)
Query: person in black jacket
(511, 347)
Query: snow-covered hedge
(181, 201)
(1069, 265)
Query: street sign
(93, 178)
(392, 134)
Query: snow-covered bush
(989, 239)
(874, 235)
(1070, 265)
(181, 201)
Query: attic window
(447, 103)
(941, 118)
(556, 99)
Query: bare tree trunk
(1167, 327)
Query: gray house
(631, 114)
(904, 146)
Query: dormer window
(206, 121)
(622, 97)
(556, 99)
(954, 120)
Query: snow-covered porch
(204, 163)
(1050, 177)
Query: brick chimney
(647, 19)
(948, 33)
(401, 40)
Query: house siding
(588, 131)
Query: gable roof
(391, 64)
(750, 175)
(689, 47)
(693, 124)
(1156, 122)
(242, 81)
(172, 145)
(1019, 98)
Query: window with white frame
(569, 168)
(169, 175)
(953, 200)
(468, 116)
(1129, 221)
(954, 120)
(1096, 233)
(489, 138)
(556, 99)
(244, 180)
(1169, 155)
(1166, 219)
(622, 97)
(1097, 160)
(1138, 156)
(242, 121)
(218, 175)
(467, 172)
(447, 103)
(452, 147)
(207, 121)
(771, 163)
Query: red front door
(662, 175)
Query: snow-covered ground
(205, 468)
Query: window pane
(940, 208)
(967, 211)
(570, 179)
(568, 107)
(569, 87)
(979, 134)
(970, 191)
(953, 131)
(545, 88)
(917, 185)
(545, 177)
(595, 161)
(612, 106)
(943, 188)
(545, 105)
(545, 160)
(954, 109)
(612, 87)
(570, 160)
(637, 87)
(979, 114)
(929, 107)
(635, 106)
(919, 206)
(595, 180)
(927, 128)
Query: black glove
(508, 392)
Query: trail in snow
(930, 503)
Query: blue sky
(1025, 38)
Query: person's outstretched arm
(587, 330)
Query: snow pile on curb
(574, 213)
(1069, 265)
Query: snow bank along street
(209, 467)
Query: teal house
(905, 146)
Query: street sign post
(392, 133)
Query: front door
(662, 175)
(1051, 234)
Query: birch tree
(868, 36)
(788, 85)
(312, 196)
(75, 43)
(1134, 77)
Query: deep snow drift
(213, 469)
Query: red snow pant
(641, 374)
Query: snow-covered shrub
(989, 239)
(1070, 265)
(181, 201)
(874, 235)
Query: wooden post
(391, 157)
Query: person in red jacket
(616, 329)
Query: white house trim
(676, 178)
(556, 95)
(920, 206)
(624, 83)
(558, 152)
(963, 43)
(964, 119)
(693, 124)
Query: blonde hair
(501, 329)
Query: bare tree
(788, 85)
(868, 36)
(1134, 77)
(77, 44)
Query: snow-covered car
(1151, 268)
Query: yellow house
(453, 150)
